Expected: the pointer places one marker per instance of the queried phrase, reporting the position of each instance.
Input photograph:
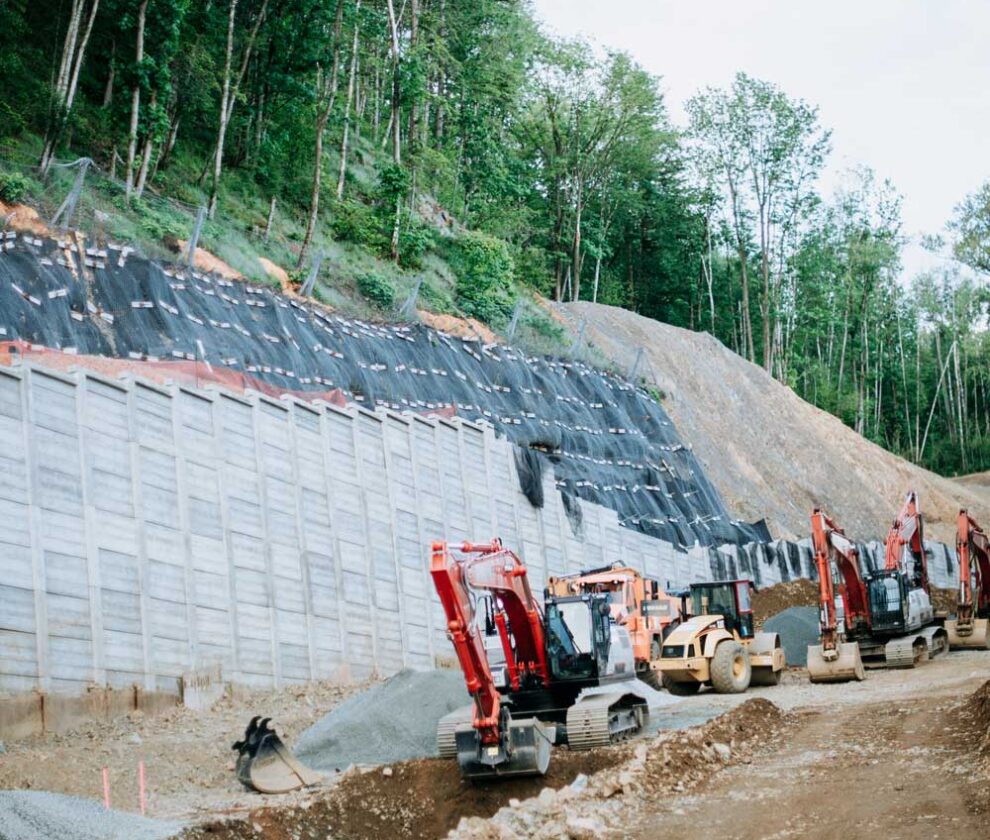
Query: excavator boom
(835, 660)
(493, 744)
(971, 627)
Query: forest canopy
(460, 131)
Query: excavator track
(602, 719)
(447, 730)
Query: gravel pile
(797, 628)
(392, 721)
(35, 814)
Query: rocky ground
(188, 756)
(770, 453)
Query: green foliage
(484, 271)
(352, 221)
(14, 188)
(376, 288)
(970, 226)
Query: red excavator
(887, 614)
(566, 673)
(971, 627)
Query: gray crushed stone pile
(797, 628)
(35, 814)
(392, 721)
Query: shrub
(13, 187)
(351, 221)
(376, 288)
(484, 271)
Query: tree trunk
(271, 219)
(327, 96)
(135, 101)
(149, 145)
(347, 108)
(108, 90)
(576, 244)
(73, 53)
(396, 122)
(224, 102)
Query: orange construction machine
(887, 618)
(566, 673)
(971, 628)
(636, 602)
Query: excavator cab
(578, 636)
(888, 598)
(729, 599)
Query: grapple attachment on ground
(974, 636)
(265, 764)
(524, 751)
(840, 665)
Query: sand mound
(392, 721)
(768, 452)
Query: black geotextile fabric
(606, 441)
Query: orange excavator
(887, 617)
(566, 673)
(971, 627)
(637, 603)
(834, 659)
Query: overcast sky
(903, 84)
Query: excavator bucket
(266, 765)
(841, 665)
(976, 637)
(526, 751)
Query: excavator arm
(908, 531)
(971, 627)
(835, 660)
(496, 745)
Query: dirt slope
(767, 451)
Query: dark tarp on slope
(608, 442)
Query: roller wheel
(679, 689)
(730, 668)
(766, 676)
(648, 675)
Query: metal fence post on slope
(314, 270)
(510, 333)
(635, 366)
(63, 216)
(408, 309)
(580, 337)
(194, 239)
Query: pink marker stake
(141, 785)
(106, 788)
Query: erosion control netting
(607, 441)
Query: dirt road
(902, 768)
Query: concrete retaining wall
(147, 532)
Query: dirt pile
(415, 800)
(187, 754)
(768, 452)
(771, 600)
(979, 709)
(944, 600)
(392, 721)
(601, 806)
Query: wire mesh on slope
(606, 441)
